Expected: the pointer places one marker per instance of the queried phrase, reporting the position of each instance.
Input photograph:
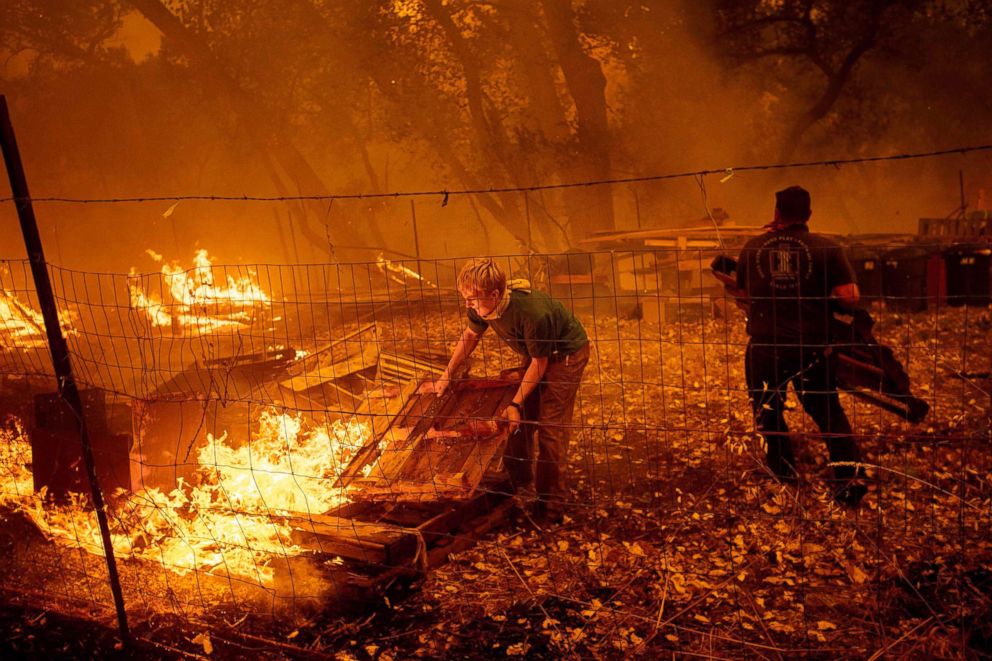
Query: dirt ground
(675, 540)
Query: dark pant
(548, 412)
(769, 369)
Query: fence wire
(268, 460)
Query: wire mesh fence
(266, 455)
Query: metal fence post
(56, 342)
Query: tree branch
(837, 81)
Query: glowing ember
(231, 522)
(199, 303)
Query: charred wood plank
(371, 543)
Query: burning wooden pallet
(422, 487)
(398, 535)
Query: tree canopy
(352, 96)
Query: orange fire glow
(22, 327)
(232, 522)
(200, 304)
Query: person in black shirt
(794, 280)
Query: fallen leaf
(517, 649)
(204, 639)
(856, 573)
(635, 550)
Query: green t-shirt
(535, 325)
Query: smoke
(138, 118)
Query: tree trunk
(359, 54)
(258, 120)
(586, 84)
(537, 71)
(835, 83)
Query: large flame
(199, 303)
(22, 327)
(233, 521)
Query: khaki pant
(548, 412)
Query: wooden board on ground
(434, 449)
(370, 543)
(374, 542)
(355, 352)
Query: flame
(23, 327)
(232, 521)
(198, 302)
(16, 479)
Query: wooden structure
(975, 226)
(424, 485)
(337, 375)
(334, 376)
(396, 366)
(434, 448)
(376, 541)
(663, 275)
(56, 457)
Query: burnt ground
(675, 540)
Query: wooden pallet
(370, 544)
(434, 449)
(432, 489)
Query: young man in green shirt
(556, 350)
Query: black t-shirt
(534, 325)
(788, 276)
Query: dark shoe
(850, 494)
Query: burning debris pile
(199, 302)
(22, 327)
(230, 520)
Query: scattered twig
(881, 652)
(547, 616)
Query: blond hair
(481, 275)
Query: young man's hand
(436, 386)
(512, 415)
